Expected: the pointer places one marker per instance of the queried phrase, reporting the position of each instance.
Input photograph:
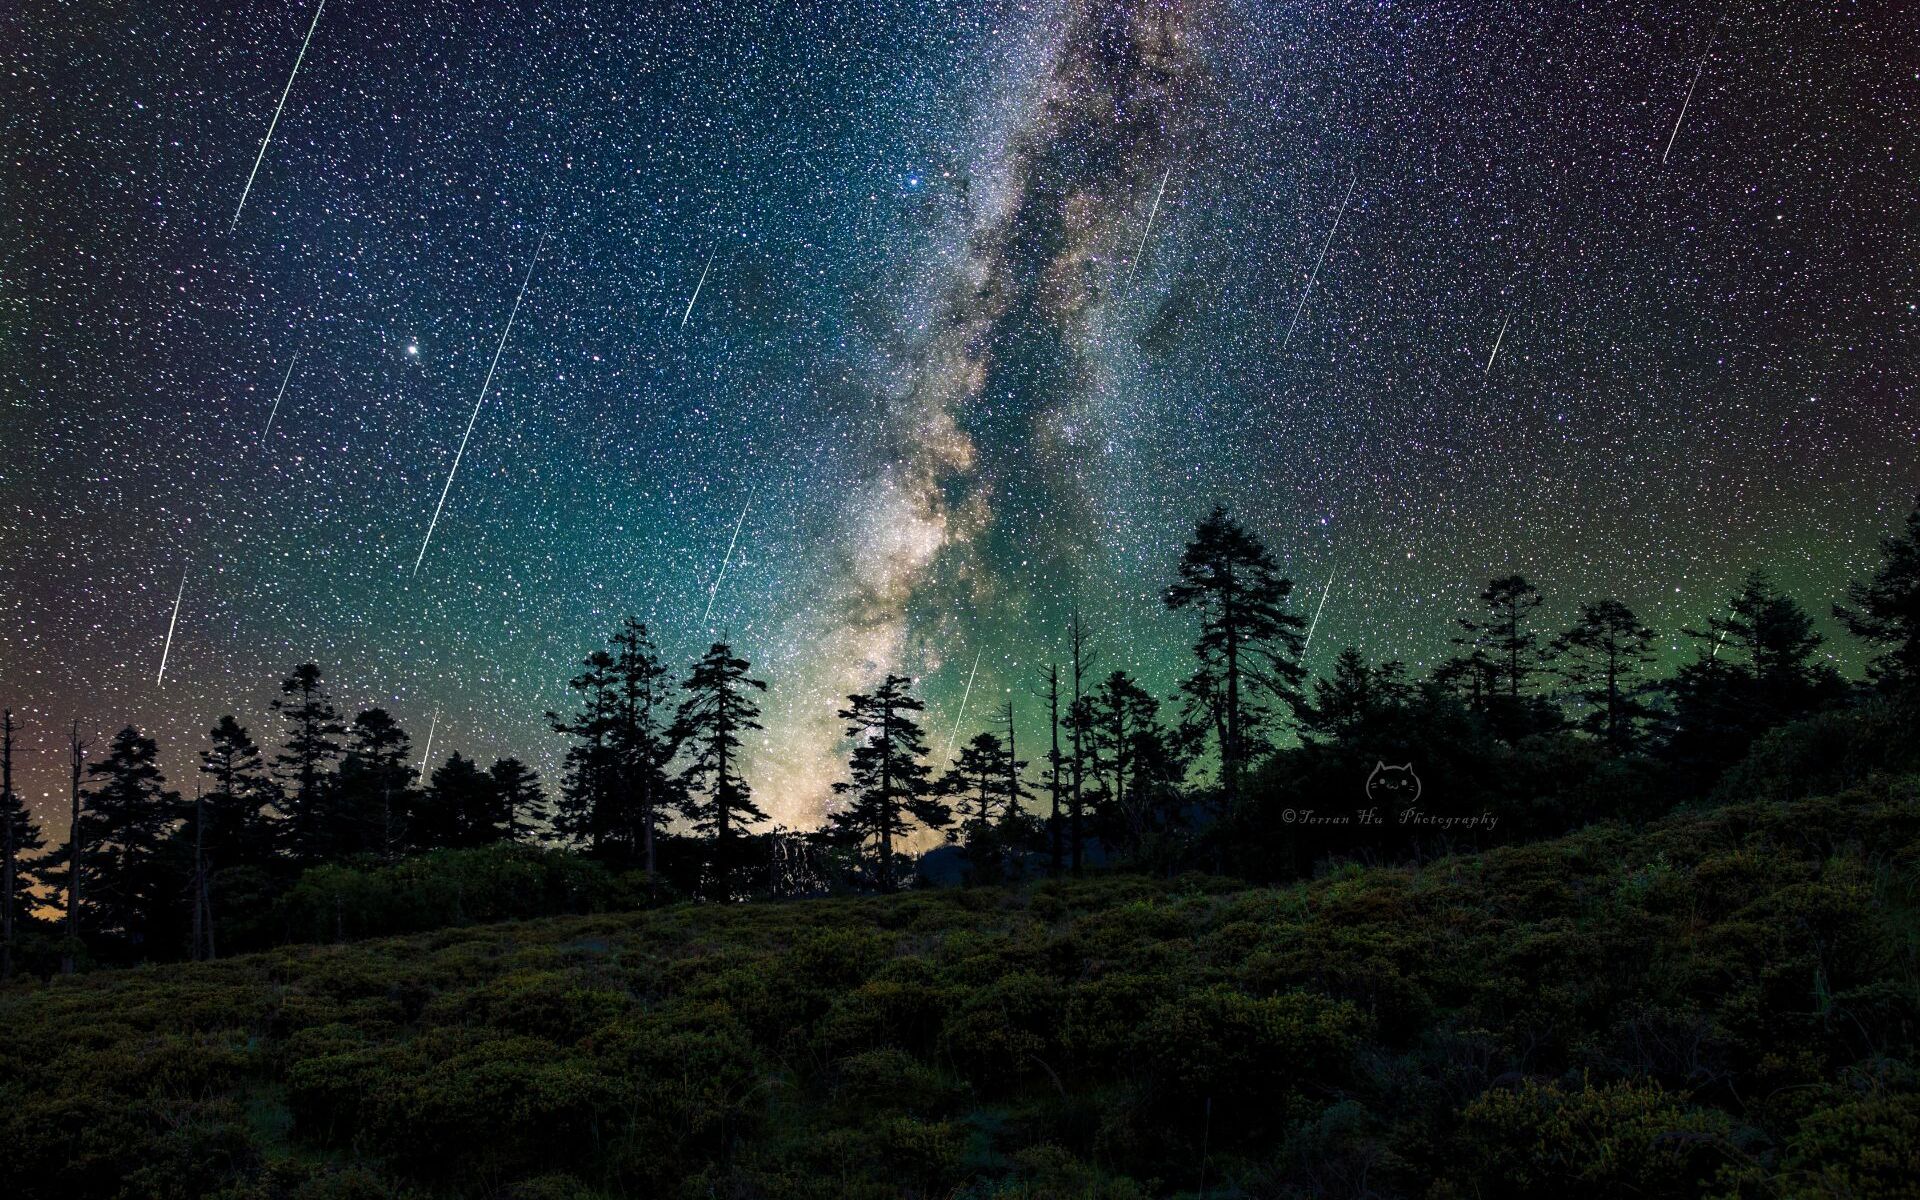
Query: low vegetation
(1722, 1003)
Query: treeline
(1250, 768)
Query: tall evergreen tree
(988, 792)
(1248, 651)
(1756, 668)
(1136, 760)
(238, 825)
(521, 802)
(305, 763)
(20, 841)
(125, 887)
(1885, 610)
(374, 793)
(585, 814)
(642, 741)
(1080, 659)
(1506, 633)
(460, 808)
(1354, 699)
(889, 785)
(718, 709)
(1056, 776)
(69, 862)
(1605, 656)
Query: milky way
(932, 340)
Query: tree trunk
(78, 751)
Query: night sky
(962, 382)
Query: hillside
(1724, 1003)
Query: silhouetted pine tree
(374, 792)
(988, 792)
(1056, 776)
(1080, 658)
(718, 709)
(20, 841)
(585, 811)
(460, 808)
(1137, 763)
(1605, 656)
(1885, 610)
(304, 764)
(239, 828)
(1756, 669)
(521, 801)
(643, 742)
(1354, 699)
(1249, 645)
(889, 786)
(126, 890)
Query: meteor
(428, 752)
(964, 697)
(318, 9)
(458, 454)
(1315, 273)
(697, 287)
(1148, 232)
(1683, 104)
(276, 400)
(728, 560)
(1496, 346)
(1315, 623)
(168, 648)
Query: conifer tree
(1080, 658)
(1605, 656)
(1248, 652)
(719, 708)
(1353, 698)
(584, 813)
(642, 742)
(123, 879)
(521, 802)
(20, 841)
(305, 764)
(1512, 646)
(459, 809)
(889, 786)
(1885, 610)
(374, 793)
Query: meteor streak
(1496, 346)
(168, 648)
(1315, 623)
(1683, 104)
(697, 287)
(476, 406)
(291, 75)
(1148, 232)
(964, 697)
(276, 400)
(728, 560)
(428, 752)
(1315, 273)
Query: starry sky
(994, 299)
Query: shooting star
(964, 697)
(1148, 232)
(476, 406)
(1315, 623)
(1688, 100)
(276, 400)
(1315, 273)
(696, 287)
(291, 75)
(428, 752)
(728, 560)
(1496, 346)
(168, 648)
